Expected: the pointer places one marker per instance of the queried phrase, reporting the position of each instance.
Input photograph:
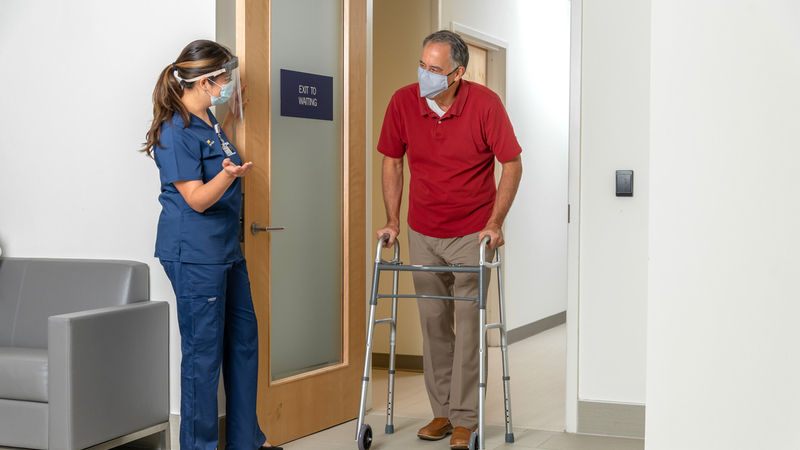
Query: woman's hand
(201, 196)
(234, 170)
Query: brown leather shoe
(437, 429)
(460, 438)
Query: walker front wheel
(473, 441)
(365, 437)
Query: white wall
(613, 230)
(77, 91)
(723, 348)
(537, 101)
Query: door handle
(254, 228)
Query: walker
(477, 439)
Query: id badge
(227, 149)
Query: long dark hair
(198, 58)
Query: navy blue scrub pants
(218, 328)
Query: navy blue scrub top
(195, 153)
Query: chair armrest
(108, 373)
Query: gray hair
(459, 53)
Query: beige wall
(398, 30)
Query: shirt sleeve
(180, 156)
(392, 142)
(500, 133)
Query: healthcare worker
(198, 245)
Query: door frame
(574, 225)
(290, 408)
(496, 50)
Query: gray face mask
(432, 84)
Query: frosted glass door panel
(306, 168)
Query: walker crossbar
(399, 268)
(477, 440)
(469, 299)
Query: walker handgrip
(385, 238)
(484, 245)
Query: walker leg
(392, 347)
(367, 364)
(504, 352)
(481, 444)
(482, 384)
(373, 302)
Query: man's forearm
(392, 181)
(506, 190)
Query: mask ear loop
(175, 73)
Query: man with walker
(451, 130)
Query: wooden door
(290, 407)
(476, 68)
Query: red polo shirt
(451, 159)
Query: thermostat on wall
(624, 183)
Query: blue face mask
(432, 84)
(226, 90)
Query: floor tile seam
(610, 436)
(546, 441)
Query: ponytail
(198, 58)
(166, 102)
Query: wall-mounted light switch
(624, 183)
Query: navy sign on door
(306, 95)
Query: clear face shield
(227, 78)
(231, 75)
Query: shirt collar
(455, 109)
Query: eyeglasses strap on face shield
(227, 67)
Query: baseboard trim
(406, 363)
(534, 328)
(174, 431)
(611, 419)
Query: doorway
(538, 278)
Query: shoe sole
(434, 438)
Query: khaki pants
(450, 359)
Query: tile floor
(538, 380)
(342, 437)
(538, 385)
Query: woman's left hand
(236, 171)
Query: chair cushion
(23, 374)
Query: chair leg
(166, 442)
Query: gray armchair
(84, 357)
